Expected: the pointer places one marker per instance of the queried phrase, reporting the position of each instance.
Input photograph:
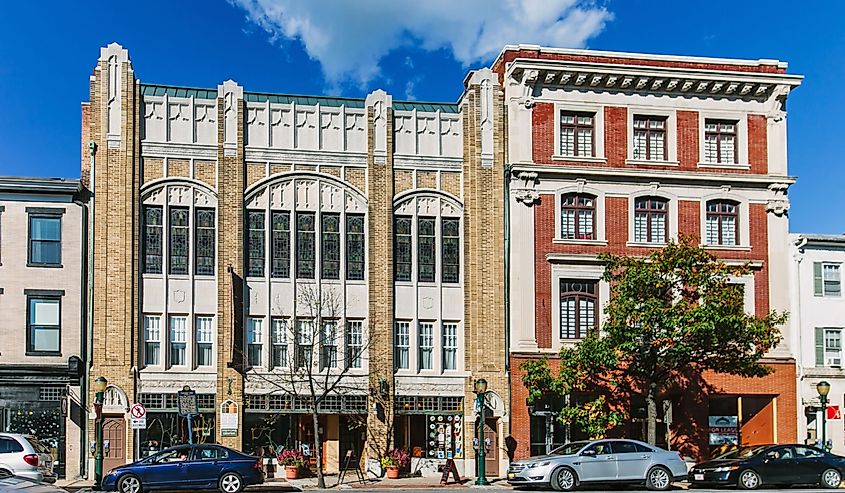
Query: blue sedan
(190, 467)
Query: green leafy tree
(671, 315)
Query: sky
(412, 49)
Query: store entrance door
(114, 432)
(491, 447)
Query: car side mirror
(589, 453)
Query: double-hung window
(204, 235)
(330, 246)
(254, 340)
(152, 340)
(450, 242)
(44, 327)
(304, 342)
(720, 143)
(577, 217)
(355, 247)
(45, 239)
(305, 245)
(178, 340)
(650, 138)
(354, 343)
(328, 345)
(280, 342)
(828, 347)
(578, 302)
(281, 245)
(152, 239)
(179, 241)
(402, 345)
(255, 244)
(450, 346)
(576, 134)
(650, 225)
(722, 223)
(826, 279)
(205, 341)
(402, 250)
(426, 345)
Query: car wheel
(563, 479)
(749, 480)
(658, 479)
(831, 478)
(129, 484)
(230, 483)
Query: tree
(316, 370)
(671, 315)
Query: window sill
(560, 241)
(209, 277)
(255, 279)
(152, 276)
(649, 162)
(725, 166)
(585, 159)
(735, 248)
(643, 244)
(46, 266)
(180, 277)
(43, 353)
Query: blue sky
(418, 50)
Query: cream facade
(43, 323)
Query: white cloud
(350, 37)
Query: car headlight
(726, 468)
(538, 464)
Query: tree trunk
(318, 450)
(651, 421)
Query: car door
(777, 465)
(166, 468)
(205, 465)
(809, 464)
(597, 463)
(631, 462)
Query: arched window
(650, 221)
(578, 217)
(578, 313)
(722, 223)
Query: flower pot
(392, 473)
(291, 472)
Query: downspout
(89, 306)
(800, 350)
(83, 326)
(507, 218)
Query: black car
(753, 466)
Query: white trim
(598, 131)
(599, 219)
(632, 173)
(671, 130)
(741, 119)
(747, 282)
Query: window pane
(330, 246)
(328, 345)
(45, 240)
(152, 339)
(425, 249)
(577, 307)
(255, 259)
(355, 247)
(426, 345)
(178, 333)
(402, 345)
(305, 245)
(179, 240)
(205, 229)
(304, 342)
(281, 245)
(152, 239)
(450, 346)
(44, 312)
(402, 250)
(354, 343)
(254, 338)
(45, 338)
(204, 341)
(451, 249)
(640, 145)
(831, 277)
(45, 228)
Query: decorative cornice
(427, 162)
(307, 157)
(163, 149)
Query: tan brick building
(229, 225)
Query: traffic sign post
(137, 421)
(187, 400)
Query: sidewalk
(269, 485)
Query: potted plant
(293, 460)
(393, 460)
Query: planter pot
(392, 473)
(291, 472)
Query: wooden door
(114, 430)
(491, 447)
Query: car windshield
(569, 448)
(743, 452)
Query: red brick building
(619, 152)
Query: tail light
(257, 464)
(31, 459)
(681, 456)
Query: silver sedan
(600, 461)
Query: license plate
(698, 477)
(511, 475)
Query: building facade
(43, 289)
(621, 153)
(817, 325)
(274, 240)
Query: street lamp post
(99, 387)
(823, 389)
(481, 393)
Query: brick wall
(688, 134)
(758, 148)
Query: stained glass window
(330, 246)
(281, 245)
(402, 253)
(451, 246)
(354, 247)
(425, 249)
(255, 265)
(305, 247)
(205, 242)
(152, 239)
(179, 240)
